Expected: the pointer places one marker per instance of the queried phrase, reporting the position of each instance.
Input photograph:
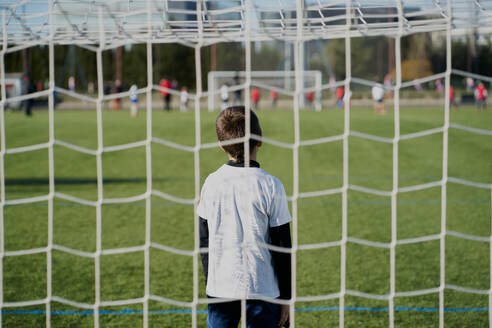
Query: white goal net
(98, 25)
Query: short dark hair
(231, 124)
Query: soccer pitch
(320, 218)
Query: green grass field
(320, 218)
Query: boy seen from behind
(242, 210)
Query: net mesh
(102, 25)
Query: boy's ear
(221, 147)
(258, 143)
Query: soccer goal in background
(391, 214)
(281, 82)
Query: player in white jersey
(241, 211)
(378, 97)
(133, 100)
(183, 97)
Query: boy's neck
(240, 163)
(252, 157)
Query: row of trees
(372, 57)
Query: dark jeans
(259, 314)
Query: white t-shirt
(240, 204)
(377, 92)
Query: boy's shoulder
(227, 172)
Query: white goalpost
(102, 25)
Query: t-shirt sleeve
(279, 211)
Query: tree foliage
(421, 56)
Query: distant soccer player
(470, 84)
(183, 106)
(28, 87)
(274, 97)
(166, 95)
(452, 100)
(71, 83)
(310, 99)
(224, 95)
(378, 96)
(241, 210)
(481, 97)
(340, 91)
(255, 97)
(133, 100)
(439, 85)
